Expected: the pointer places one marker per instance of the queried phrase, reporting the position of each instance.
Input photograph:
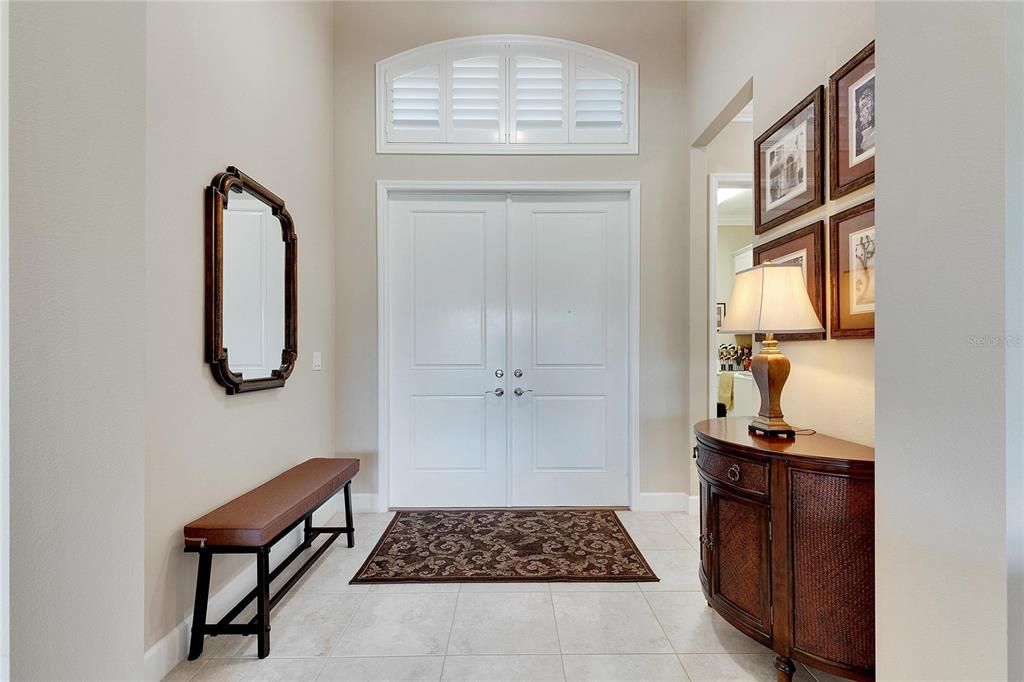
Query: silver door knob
(499, 373)
(520, 391)
(518, 373)
(498, 392)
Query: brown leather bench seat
(260, 515)
(253, 524)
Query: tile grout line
(664, 515)
(351, 619)
(661, 626)
(323, 666)
(451, 630)
(197, 671)
(558, 635)
(682, 665)
(506, 655)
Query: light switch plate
(318, 361)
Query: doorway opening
(730, 242)
(731, 389)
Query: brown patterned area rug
(505, 545)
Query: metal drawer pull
(708, 541)
(733, 473)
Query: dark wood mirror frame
(234, 180)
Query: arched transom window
(506, 95)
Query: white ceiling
(735, 206)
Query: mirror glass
(254, 257)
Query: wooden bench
(252, 524)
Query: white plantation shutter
(540, 108)
(414, 105)
(506, 95)
(599, 101)
(477, 110)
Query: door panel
(568, 299)
(558, 449)
(449, 433)
(740, 566)
(449, 288)
(570, 287)
(446, 311)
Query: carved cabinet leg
(785, 668)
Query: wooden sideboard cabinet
(788, 544)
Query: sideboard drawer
(733, 472)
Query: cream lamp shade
(770, 298)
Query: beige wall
(787, 49)
(77, 106)
(650, 34)
(732, 150)
(941, 477)
(245, 84)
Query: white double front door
(508, 333)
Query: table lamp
(770, 299)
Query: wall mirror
(251, 284)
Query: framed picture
(719, 315)
(852, 124)
(852, 238)
(805, 246)
(789, 164)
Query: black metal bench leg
(263, 601)
(195, 649)
(307, 532)
(349, 523)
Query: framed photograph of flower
(852, 124)
(789, 164)
(853, 257)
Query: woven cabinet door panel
(832, 529)
(742, 556)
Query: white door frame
(715, 181)
(384, 190)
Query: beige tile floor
(327, 629)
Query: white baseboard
(693, 507)
(161, 658)
(364, 503)
(662, 502)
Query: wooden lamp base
(769, 432)
(770, 369)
